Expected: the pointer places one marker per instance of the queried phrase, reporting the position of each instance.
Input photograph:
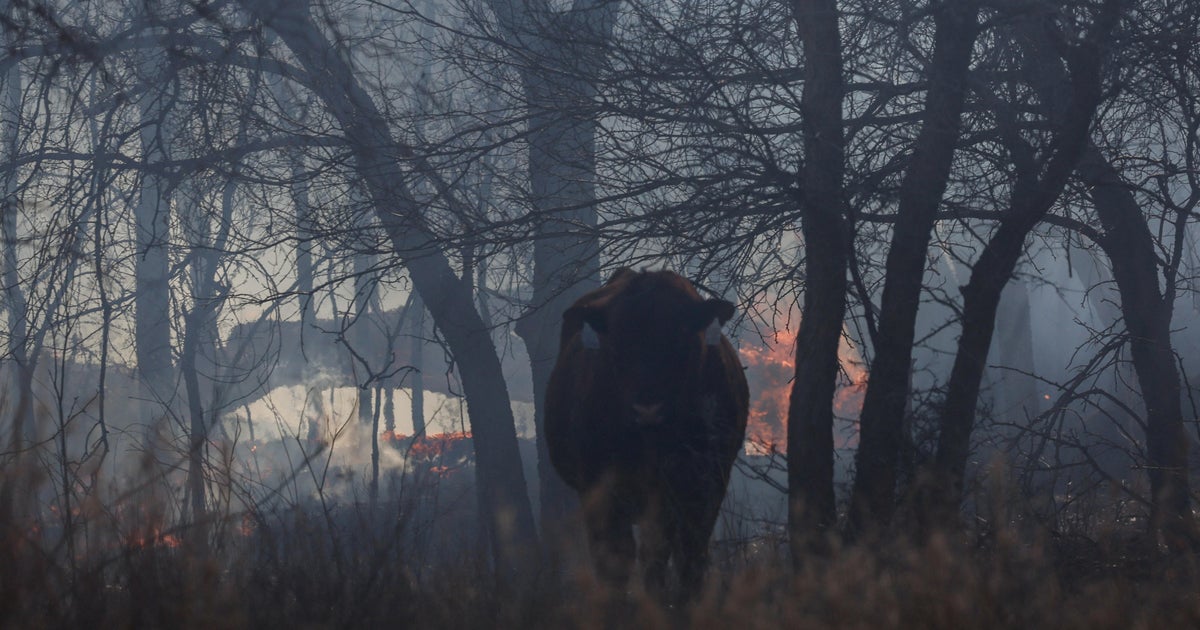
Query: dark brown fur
(665, 470)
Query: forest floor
(339, 571)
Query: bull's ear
(576, 316)
(711, 311)
(722, 310)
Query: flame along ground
(771, 367)
(441, 454)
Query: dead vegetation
(346, 564)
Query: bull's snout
(647, 414)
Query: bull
(645, 413)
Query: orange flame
(152, 537)
(771, 367)
(441, 445)
(441, 454)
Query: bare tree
(377, 154)
(1039, 181)
(1147, 310)
(827, 241)
(926, 176)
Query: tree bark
(881, 421)
(812, 511)
(505, 503)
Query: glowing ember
(152, 537)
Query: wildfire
(451, 446)
(441, 454)
(771, 367)
(152, 537)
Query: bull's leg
(654, 549)
(692, 553)
(699, 504)
(610, 537)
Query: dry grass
(345, 572)
(348, 565)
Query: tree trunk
(312, 414)
(152, 274)
(197, 534)
(1031, 199)
(20, 390)
(1130, 246)
(377, 156)
(305, 273)
(812, 510)
(360, 344)
(208, 239)
(389, 409)
(881, 420)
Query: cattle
(645, 413)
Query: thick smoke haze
(281, 276)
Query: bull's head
(652, 336)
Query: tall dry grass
(351, 569)
(414, 559)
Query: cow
(645, 413)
